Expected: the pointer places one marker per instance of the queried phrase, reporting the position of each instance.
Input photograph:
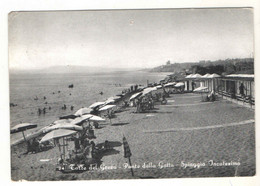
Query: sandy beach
(184, 138)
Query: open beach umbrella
(97, 104)
(83, 111)
(62, 121)
(22, 127)
(136, 95)
(159, 86)
(107, 107)
(114, 98)
(59, 133)
(96, 118)
(148, 90)
(109, 101)
(63, 126)
(80, 119)
(170, 84)
(200, 89)
(180, 84)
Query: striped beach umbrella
(127, 153)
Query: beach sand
(167, 136)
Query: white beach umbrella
(63, 126)
(96, 118)
(94, 105)
(107, 107)
(148, 90)
(62, 121)
(170, 84)
(200, 89)
(136, 95)
(80, 119)
(180, 84)
(114, 98)
(109, 101)
(83, 111)
(59, 133)
(159, 86)
(22, 127)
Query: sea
(27, 91)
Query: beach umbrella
(109, 101)
(97, 104)
(180, 84)
(83, 111)
(170, 84)
(80, 119)
(59, 133)
(114, 98)
(63, 126)
(159, 86)
(106, 107)
(96, 118)
(148, 90)
(127, 153)
(22, 127)
(200, 89)
(136, 95)
(62, 121)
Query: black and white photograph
(132, 94)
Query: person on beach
(241, 89)
(72, 107)
(39, 111)
(44, 110)
(29, 147)
(44, 97)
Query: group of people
(34, 146)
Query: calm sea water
(25, 87)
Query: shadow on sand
(119, 124)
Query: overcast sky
(128, 38)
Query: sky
(128, 38)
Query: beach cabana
(230, 86)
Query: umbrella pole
(24, 136)
(63, 147)
(59, 149)
(131, 166)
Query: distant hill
(228, 66)
(72, 69)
